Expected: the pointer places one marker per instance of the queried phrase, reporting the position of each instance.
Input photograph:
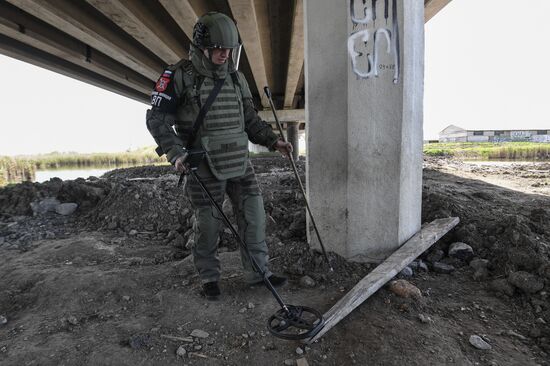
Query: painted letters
(362, 37)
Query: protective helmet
(215, 30)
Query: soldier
(230, 121)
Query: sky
(486, 68)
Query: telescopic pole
(268, 94)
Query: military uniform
(231, 121)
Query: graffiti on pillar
(367, 35)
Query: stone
(251, 305)
(461, 251)
(299, 351)
(198, 333)
(44, 206)
(526, 282)
(133, 232)
(3, 320)
(501, 285)
(403, 288)
(301, 362)
(50, 235)
(425, 319)
(307, 281)
(440, 267)
(479, 263)
(66, 209)
(479, 343)
(139, 341)
(289, 362)
(72, 320)
(126, 298)
(435, 256)
(181, 351)
(406, 272)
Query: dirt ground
(113, 283)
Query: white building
(454, 133)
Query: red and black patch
(162, 84)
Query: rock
(289, 362)
(307, 281)
(251, 305)
(72, 320)
(479, 343)
(301, 362)
(3, 320)
(140, 341)
(403, 288)
(435, 256)
(126, 298)
(461, 251)
(242, 310)
(198, 333)
(181, 352)
(66, 209)
(424, 319)
(299, 351)
(526, 282)
(502, 285)
(443, 268)
(50, 235)
(479, 263)
(422, 266)
(190, 242)
(44, 206)
(133, 232)
(406, 272)
(197, 347)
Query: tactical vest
(222, 133)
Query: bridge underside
(123, 45)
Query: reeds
(526, 151)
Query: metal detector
(291, 322)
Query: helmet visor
(236, 56)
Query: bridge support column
(292, 137)
(364, 85)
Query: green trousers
(248, 207)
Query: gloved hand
(181, 165)
(284, 148)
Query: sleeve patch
(163, 96)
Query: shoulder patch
(164, 96)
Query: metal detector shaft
(268, 94)
(257, 268)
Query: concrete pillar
(292, 137)
(364, 89)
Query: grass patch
(527, 151)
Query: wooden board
(425, 238)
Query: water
(68, 174)
(71, 174)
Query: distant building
(457, 134)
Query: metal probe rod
(268, 94)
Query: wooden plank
(182, 12)
(74, 18)
(432, 7)
(141, 24)
(23, 52)
(25, 28)
(296, 56)
(418, 244)
(244, 14)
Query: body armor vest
(222, 132)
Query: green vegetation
(491, 151)
(23, 168)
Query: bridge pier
(364, 84)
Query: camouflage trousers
(248, 207)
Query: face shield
(235, 56)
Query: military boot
(211, 291)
